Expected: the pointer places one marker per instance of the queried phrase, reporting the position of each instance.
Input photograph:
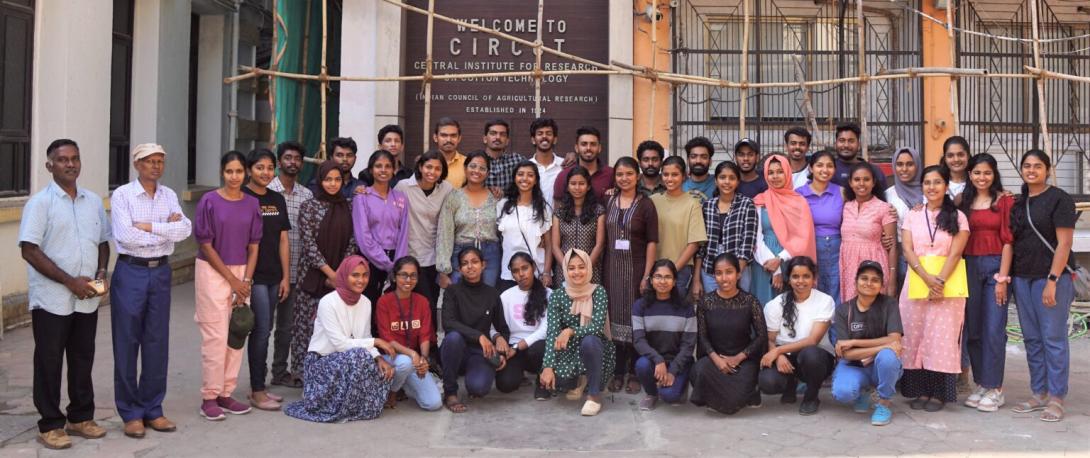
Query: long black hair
(676, 299)
(538, 301)
(947, 219)
(366, 175)
(849, 193)
(565, 209)
(994, 191)
(790, 310)
(537, 198)
(955, 140)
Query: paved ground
(516, 425)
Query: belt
(143, 262)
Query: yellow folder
(956, 286)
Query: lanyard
(626, 213)
(405, 322)
(931, 232)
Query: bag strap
(1029, 218)
(529, 250)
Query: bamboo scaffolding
(323, 77)
(1041, 86)
(955, 96)
(537, 60)
(1051, 74)
(299, 120)
(745, 71)
(864, 104)
(427, 73)
(654, 76)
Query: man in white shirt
(543, 132)
(796, 143)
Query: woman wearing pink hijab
(785, 229)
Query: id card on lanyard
(624, 243)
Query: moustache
(699, 170)
(651, 172)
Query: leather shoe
(86, 429)
(134, 429)
(161, 424)
(56, 439)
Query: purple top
(230, 226)
(381, 225)
(827, 208)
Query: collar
(805, 189)
(56, 189)
(555, 163)
(140, 188)
(458, 157)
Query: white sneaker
(991, 401)
(974, 399)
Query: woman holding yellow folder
(933, 238)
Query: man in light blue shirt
(64, 237)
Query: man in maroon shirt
(588, 146)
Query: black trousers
(55, 337)
(812, 365)
(428, 286)
(376, 286)
(528, 360)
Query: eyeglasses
(662, 277)
(407, 276)
(476, 166)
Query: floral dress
(575, 234)
(566, 363)
(341, 387)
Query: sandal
(1032, 405)
(1053, 412)
(633, 385)
(934, 405)
(454, 404)
(391, 401)
(918, 403)
(616, 384)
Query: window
(16, 58)
(121, 93)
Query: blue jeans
(849, 380)
(985, 322)
(263, 299)
(645, 371)
(140, 320)
(684, 280)
(710, 285)
(423, 390)
(828, 263)
(492, 258)
(457, 354)
(1045, 332)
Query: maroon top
(990, 229)
(407, 322)
(600, 181)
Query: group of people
(656, 274)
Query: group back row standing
(768, 250)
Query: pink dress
(932, 328)
(861, 240)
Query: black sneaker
(789, 397)
(754, 399)
(809, 407)
(541, 394)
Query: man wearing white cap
(147, 221)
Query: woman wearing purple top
(380, 220)
(227, 228)
(826, 201)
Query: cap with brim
(871, 265)
(147, 149)
(746, 142)
(242, 322)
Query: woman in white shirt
(799, 348)
(524, 311)
(345, 377)
(524, 220)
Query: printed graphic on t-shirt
(519, 312)
(404, 325)
(270, 210)
(858, 326)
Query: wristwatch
(1053, 277)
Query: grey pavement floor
(514, 424)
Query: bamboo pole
(955, 96)
(861, 28)
(537, 59)
(654, 78)
(324, 88)
(1051, 74)
(745, 71)
(807, 102)
(1041, 85)
(252, 72)
(427, 74)
(277, 22)
(299, 119)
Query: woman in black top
(470, 309)
(731, 335)
(1043, 290)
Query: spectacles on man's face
(407, 276)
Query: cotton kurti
(861, 240)
(628, 231)
(566, 363)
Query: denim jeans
(710, 285)
(684, 280)
(1045, 332)
(457, 354)
(849, 381)
(282, 324)
(645, 371)
(263, 298)
(985, 322)
(423, 390)
(492, 258)
(828, 263)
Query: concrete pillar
(213, 59)
(937, 92)
(370, 46)
(642, 88)
(160, 90)
(71, 87)
(620, 141)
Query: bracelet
(1001, 279)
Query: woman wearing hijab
(905, 194)
(346, 377)
(578, 348)
(786, 228)
(325, 231)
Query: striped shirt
(294, 199)
(130, 204)
(665, 333)
(734, 232)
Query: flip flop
(454, 404)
